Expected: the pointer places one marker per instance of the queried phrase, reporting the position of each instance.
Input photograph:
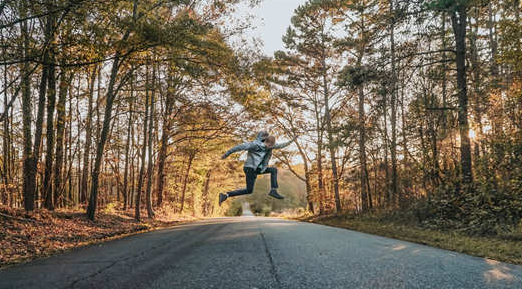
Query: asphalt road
(251, 252)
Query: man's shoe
(273, 193)
(222, 198)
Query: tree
(29, 182)
(184, 25)
(313, 56)
(458, 14)
(359, 44)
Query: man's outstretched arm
(241, 147)
(285, 144)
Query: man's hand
(223, 156)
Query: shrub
(476, 209)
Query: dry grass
(501, 248)
(43, 233)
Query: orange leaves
(43, 233)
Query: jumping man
(259, 154)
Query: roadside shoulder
(490, 247)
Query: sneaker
(222, 198)
(273, 193)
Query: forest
(409, 108)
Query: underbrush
(478, 210)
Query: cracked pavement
(251, 252)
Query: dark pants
(251, 176)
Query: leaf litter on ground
(41, 233)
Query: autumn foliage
(25, 236)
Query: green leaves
(445, 5)
(453, 5)
(354, 76)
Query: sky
(272, 20)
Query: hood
(261, 136)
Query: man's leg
(250, 178)
(273, 177)
(273, 183)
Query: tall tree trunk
(393, 105)
(494, 67)
(7, 200)
(434, 151)
(319, 157)
(364, 178)
(444, 74)
(143, 151)
(388, 197)
(133, 177)
(459, 22)
(162, 156)
(67, 146)
(133, 170)
(150, 176)
(46, 70)
(51, 103)
(29, 173)
(65, 80)
(477, 98)
(309, 190)
(362, 153)
(117, 174)
(70, 141)
(370, 193)
(88, 138)
(91, 210)
(127, 148)
(110, 96)
(39, 125)
(331, 144)
(71, 196)
(204, 195)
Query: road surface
(252, 252)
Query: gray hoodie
(258, 154)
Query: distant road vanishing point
(246, 210)
(254, 252)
